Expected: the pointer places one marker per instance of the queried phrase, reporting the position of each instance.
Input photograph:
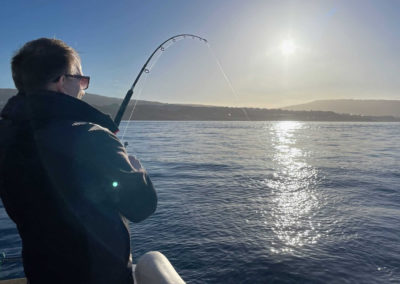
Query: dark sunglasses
(83, 80)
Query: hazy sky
(275, 53)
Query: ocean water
(266, 202)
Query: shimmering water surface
(261, 202)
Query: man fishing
(65, 178)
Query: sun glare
(288, 47)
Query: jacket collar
(48, 105)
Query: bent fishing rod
(161, 47)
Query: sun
(288, 47)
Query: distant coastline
(146, 110)
(351, 106)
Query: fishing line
(134, 107)
(147, 71)
(227, 79)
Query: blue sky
(337, 49)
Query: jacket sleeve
(131, 191)
(89, 160)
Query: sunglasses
(83, 80)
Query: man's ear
(59, 85)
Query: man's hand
(136, 163)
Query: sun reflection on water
(293, 185)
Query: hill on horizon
(146, 110)
(351, 106)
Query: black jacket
(66, 181)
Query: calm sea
(264, 202)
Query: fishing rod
(128, 96)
